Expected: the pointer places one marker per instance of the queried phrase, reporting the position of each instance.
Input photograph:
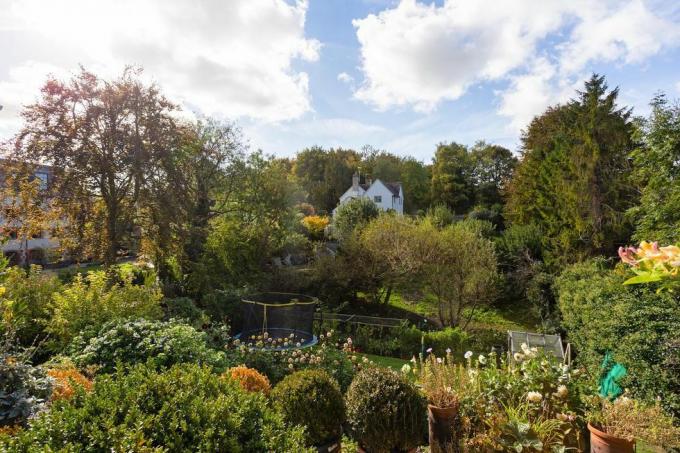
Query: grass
(386, 362)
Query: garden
(207, 300)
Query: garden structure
(273, 317)
(550, 344)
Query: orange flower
(249, 379)
(65, 381)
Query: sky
(397, 75)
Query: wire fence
(359, 319)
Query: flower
(448, 350)
(534, 397)
(406, 368)
(349, 340)
(439, 360)
(562, 391)
(518, 357)
(468, 354)
(428, 350)
(413, 359)
(482, 359)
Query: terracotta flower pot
(442, 428)
(601, 442)
(331, 447)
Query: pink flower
(628, 255)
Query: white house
(386, 195)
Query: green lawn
(386, 362)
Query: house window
(377, 199)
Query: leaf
(643, 278)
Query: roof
(393, 187)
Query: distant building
(38, 246)
(386, 195)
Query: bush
(66, 381)
(24, 389)
(315, 225)
(30, 292)
(311, 398)
(352, 214)
(249, 380)
(90, 302)
(384, 412)
(140, 341)
(635, 323)
(185, 408)
(184, 308)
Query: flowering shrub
(385, 412)
(311, 398)
(249, 379)
(24, 389)
(279, 358)
(184, 408)
(66, 380)
(315, 225)
(141, 341)
(652, 263)
(534, 392)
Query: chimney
(355, 181)
(369, 181)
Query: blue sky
(397, 75)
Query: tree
(25, 208)
(493, 166)
(574, 177)
(102, 138)
(415, 178)
(657, 171)
(325, 174)
(352, 214)
(452, 182)
(460, 272)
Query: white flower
(349, 341)
(413, 359)
(406, 369)
(562, 391)
(518, 357)
(448, 350)
(468, 354)
(525, 347)
(534, 397)
(298, 344)
(290, 366)
(439, 360)
(428, 350)
(482, 359)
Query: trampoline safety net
(279, 315)
(550, 344)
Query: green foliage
(440, 216)
(574, 177)
(24, 389)
(493, 166)
(635, 323)
(311, 398)
(384, 412)
(184, 308)
(185, 408)
(91, 301)
(26, 308)
(352, 214)
(452, 182)
(161, 344)
(656, 169)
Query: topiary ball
(384, 412)
(249, 379)
(311, 398)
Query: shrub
(637, 325)
(311, 398)
(315, 225)
(65, 380)
(90, 302)
(132, 342)
(30, 292)
(184, 308)
(249, 379)
(353, 213)
(185, 408)
(384, 412)
(24, 389)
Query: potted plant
(385, 413)
(312, 398)
(439, 378)
(615, 426)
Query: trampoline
(278, 320)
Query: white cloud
(418, 55)
(227, 58)
(345, 78)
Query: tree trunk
(111, 234)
